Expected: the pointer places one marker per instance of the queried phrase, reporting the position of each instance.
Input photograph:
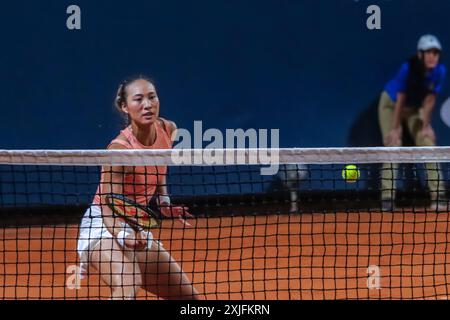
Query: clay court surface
(308, 256)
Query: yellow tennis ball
(350, 173)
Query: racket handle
(163, 200)
(121, 237)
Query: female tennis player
(126, 259)
(408, 100)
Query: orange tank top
(140, 183)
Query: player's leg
(163, 276)
(389, 170)
(117, 268)
(434, 174)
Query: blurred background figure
(407, 102)
(291, 176)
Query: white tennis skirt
(92, 230)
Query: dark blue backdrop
(308, 67)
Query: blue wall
(308, 67)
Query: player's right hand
(394, 138)
(136, 241)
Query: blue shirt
(434, 80)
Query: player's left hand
(428, 132)
(179, 212)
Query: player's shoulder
(404, 67)
(120, 142)
(441, 68)
(169, 125)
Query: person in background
(407, 103)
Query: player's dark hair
(416, 87)
(121, 96)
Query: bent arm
(396, 125)
(112, 180)
(162, 181)
(427, 109)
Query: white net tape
(188, 157)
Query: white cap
(427, 42)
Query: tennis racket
(135, 214)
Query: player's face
(431, 58)
(142, 102)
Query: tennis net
(303, 232)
